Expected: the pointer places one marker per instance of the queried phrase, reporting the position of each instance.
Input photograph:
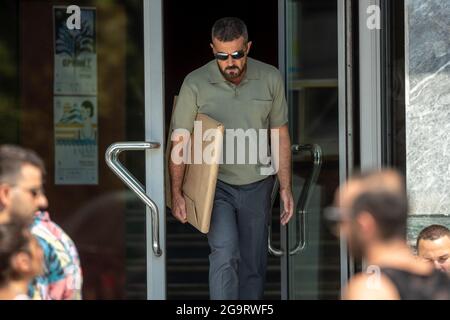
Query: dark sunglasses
(36, 191)
(235, 55)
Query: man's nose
(42, 201)
(438, 266)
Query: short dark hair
(12, 158)
(390, 212)
(13, 240)
(229, 29)
(433, 232)
(388, 204)
(88, 105)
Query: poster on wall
(75, 98)
(76, 146)
(75, 63)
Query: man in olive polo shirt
(245, 95)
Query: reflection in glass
(312, 88)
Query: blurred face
(30, 262)
(231, 68)
(358, 231)
(436, 252)
(36, 257)
(362, 231)
(26, 196)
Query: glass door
(313, 263)
(70, 89)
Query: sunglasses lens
(221, 56)
(37, 191)
(238, 54)
(235, 55)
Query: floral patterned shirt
(62, 278)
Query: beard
(236, 71)
(21, 218)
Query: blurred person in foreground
(372, 212)
(433, 245)
(21, 260)
(22, 199)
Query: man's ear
(366, 223)
(5, 195)
(249, 44)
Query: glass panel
(427, 114)
(312, 88)
(41, 107)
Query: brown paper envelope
(199, 181)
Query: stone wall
(428, 105)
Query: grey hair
(12, 158)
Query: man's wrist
(177, 192)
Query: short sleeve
(278, 115)
(185, 108)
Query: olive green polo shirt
(258, 102)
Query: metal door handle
(272, 250)
(111, 157)
(302, 203)
(305, 195)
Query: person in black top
(372, 213)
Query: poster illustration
(76, 146)
(75, 54)
(75, 99)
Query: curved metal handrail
(272, 250)
(305, 195)
(112, 160)
(302, 203)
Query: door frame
(154, 131)
(284, 263)
(345, 110)
(370, 90)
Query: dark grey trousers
(238, 240)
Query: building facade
(367, 84)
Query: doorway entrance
(301, 38)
